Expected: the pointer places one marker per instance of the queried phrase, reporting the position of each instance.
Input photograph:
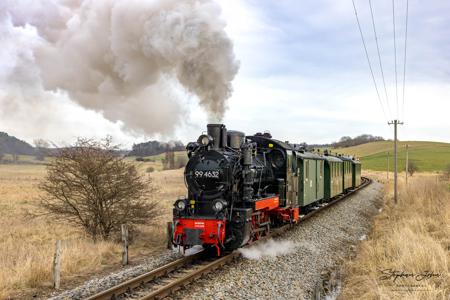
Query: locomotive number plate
(206, 174)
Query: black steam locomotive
(240, 186)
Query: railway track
(173, 276)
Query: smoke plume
(133, 61)
(268, 249)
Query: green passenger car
(356, 179)
(333, 176)
(347, 176)
(310, 178)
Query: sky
(303, 76)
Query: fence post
(125, 244)
(57, 266)
(169, 235)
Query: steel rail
(195, 273)
(133, 283)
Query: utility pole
(387, 173)
(406, 169)
(395, 123)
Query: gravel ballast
(290, 267)
(97, 285)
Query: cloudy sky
(303, 76)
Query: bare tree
(41, 149)
(169, 160)
(92, 187)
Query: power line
(395, 55)
(404, 61)
(368, 60)
(379, 57)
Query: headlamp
(180, 205)
(218, 205)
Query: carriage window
(321, 168)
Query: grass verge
(407, 255)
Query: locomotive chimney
(219, 134)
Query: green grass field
(428, 156)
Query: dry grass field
(27, 244)
(411, 239)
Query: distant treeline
(155, 148)
(347, 141)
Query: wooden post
(125, 244)
(169, 235)
(57, 265)
(406, 169)
(387, 174)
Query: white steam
(132, 61)
(269, 249)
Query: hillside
(428, 156)
(12, 145)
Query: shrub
(150, 169)
(447, 171)
(90, 186)
(412, 168)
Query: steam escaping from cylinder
(268, 249)
(131, 60)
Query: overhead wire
(368, 60)
(395, 56)
(379, 57)
(404, 60)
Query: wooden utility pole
(395, 123)
(406, 167)
(387, 173)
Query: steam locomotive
(239, 187)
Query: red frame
(211, 234)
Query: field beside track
(410, 238)
(27, 244)
(428, 156)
